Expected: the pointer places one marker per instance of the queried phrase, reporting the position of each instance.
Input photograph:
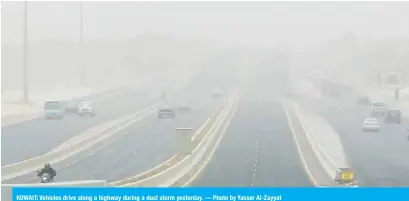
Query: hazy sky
(261, 23)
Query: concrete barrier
(31, 165)
(7, 189)
(178, 171)
(324, 140)
(195, 171)
(159, 168)
(196, 139)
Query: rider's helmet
(47, 165)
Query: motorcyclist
(49, 170)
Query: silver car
(85, 108)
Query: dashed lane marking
(256, 159)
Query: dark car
(217, 94)
(166, 113)
(393, 116)
(364, 100)
(184, 108)
(71, 106)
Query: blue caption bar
(211, 194)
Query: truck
(54, 109)
(393, 116)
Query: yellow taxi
(345, 175)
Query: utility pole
(25, 57)
(82, 67)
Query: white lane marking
(295, 139)
(256, 159)
(95, 151)
(101, 128)
(233, 109)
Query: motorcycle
(45, 178)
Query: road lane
(22, 141)
(257, 149)
(379, 159)
(144, 145)
(51, 133)
(142, 148)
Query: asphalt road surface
(36, 137)
(151, 143)
(379, 159)
(257, 148)
(143, 145)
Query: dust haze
(113, 89)
(124, 42)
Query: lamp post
(25, 57)
(81, 28)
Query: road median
(322, 142)
(176, 167)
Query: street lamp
(25, 57)
(81, 29)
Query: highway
(36, 137)
(257, 148)
(379, 159)
(22, 141)
(143, 145)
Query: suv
(166, 112)
(379, 108)
(393, 116)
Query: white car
(371, 124)
(86, 108)
(379, 108)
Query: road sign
(186, 142)
(391, 79)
